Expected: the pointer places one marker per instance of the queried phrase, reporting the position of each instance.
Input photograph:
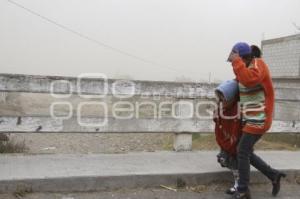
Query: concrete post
(183, 141)
(3, 97)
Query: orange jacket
(257, 74)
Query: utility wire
(66, 28)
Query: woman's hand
(233, 55)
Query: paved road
(289, 191)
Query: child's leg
(236, 178)
(233, 167)
(233, 189)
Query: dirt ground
(90, 143)
(123, 143)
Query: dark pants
(246, 157)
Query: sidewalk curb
(109, 183)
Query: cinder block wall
(283, 56)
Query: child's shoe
(230, 191)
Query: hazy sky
(189, 38)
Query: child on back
(228, 127)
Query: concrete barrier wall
(26, 99)
(48, 104)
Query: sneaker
(242, 195)
(276, 183)
(230, 191)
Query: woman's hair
(256, 52)
(248, 57)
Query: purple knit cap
(240, 48)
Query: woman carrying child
(257, 103)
